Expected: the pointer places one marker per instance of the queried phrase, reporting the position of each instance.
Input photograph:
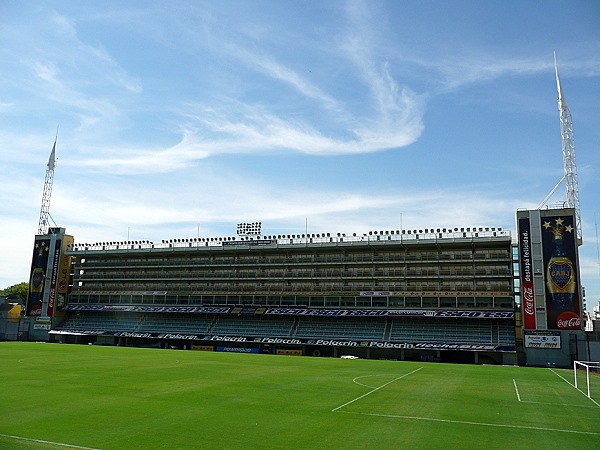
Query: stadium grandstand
(429, 294)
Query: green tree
(17, 292)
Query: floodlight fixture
(249, 229)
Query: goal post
(582, 371)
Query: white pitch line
(376, 389)
(570, 405)
(41, 441)
(516, 390)
(355, 380)
(499, 425)
(573, 386)
(563, 378)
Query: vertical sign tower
(50, 267)
(549, 238)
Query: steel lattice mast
(568, 149)
(45, 209)
(569, 163)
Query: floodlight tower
(568, 149)
(569, 163)
(45, 209)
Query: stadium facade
(429, 294)
(470, 295)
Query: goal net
(587, 377)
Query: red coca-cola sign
(529, 320)
(568, 321)
(528, 301)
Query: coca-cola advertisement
(527, 291)
(560, 262)
(53, 278)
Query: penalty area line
(516, 390)
(461, 422)
(573, 386)
(41, 441)
(375, 389)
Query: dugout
(71, 338)
(318, 350)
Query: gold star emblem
(41, 248)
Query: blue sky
(352, 116)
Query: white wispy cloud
(257, 132)
(46, 71)
(278, 71)
(5, 106)
(78, 56)
(56, 71)
(211, 198)
(390, 118)
(464, 70)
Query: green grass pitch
(57, 396)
